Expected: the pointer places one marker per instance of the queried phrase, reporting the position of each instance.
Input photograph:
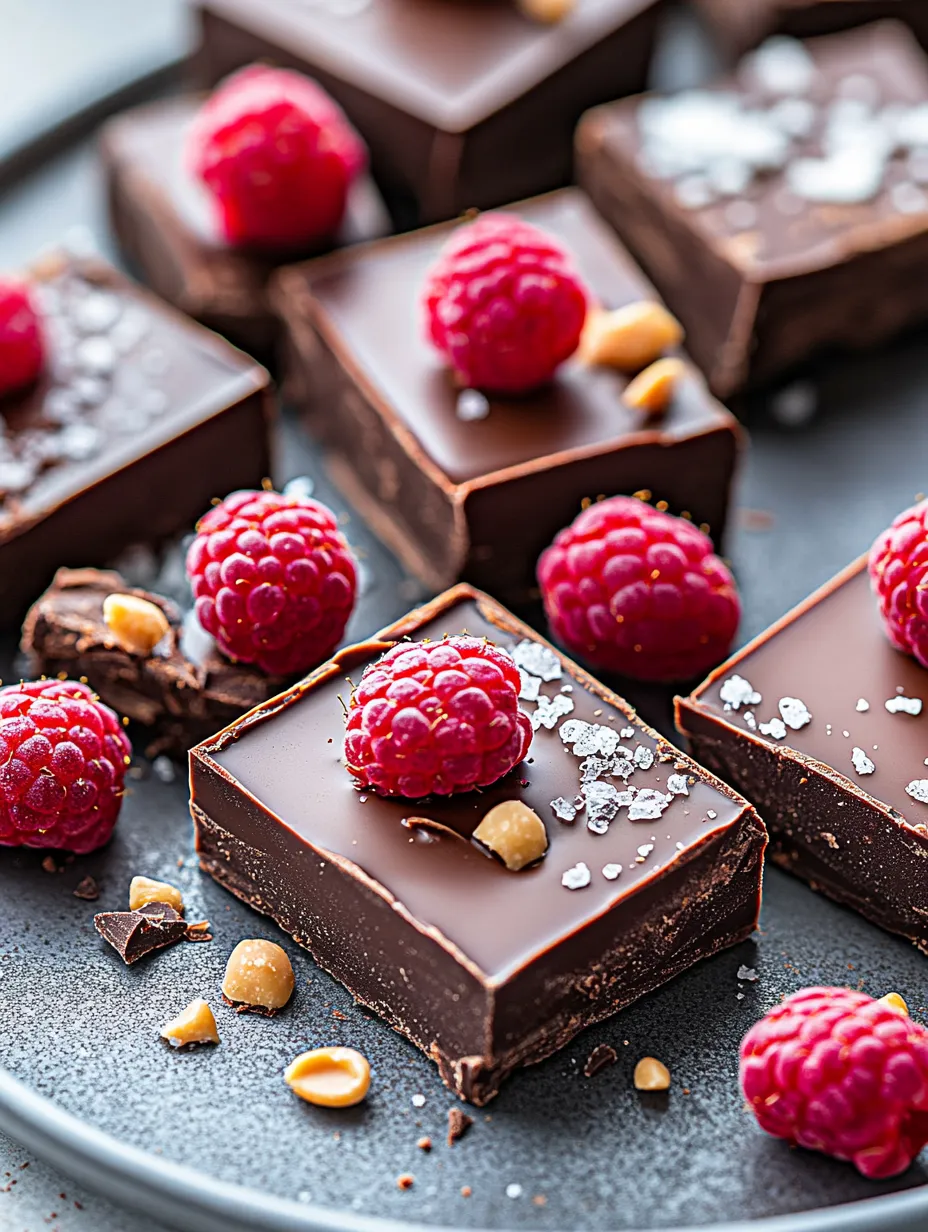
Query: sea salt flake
(852, 175)
(16, 476)
(862, 763)
(418, 1101)
(750, 719)
(96, 356)
(649, 805)
(775, 728)
(645, 850)
(644, 757)
(602, 804)
(589, 738)
(97, 312)
(795, 713)
(737, 692)
(515, 1191)
(611, 871)
(677, 785)
(537, 660)
(623, 766)
(711, 814)
(627, 733)
(918, 789)
(905, 705)
(594, 768)
(782, 65)
(564, 810)
(862, 705)
(748, 974)
(163, 769)
(78, 442)
(472, 405)
(549, 710)
(530, 686)
(576, 878)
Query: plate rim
(197, 1202)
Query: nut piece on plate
(652, 390)
(329, 1077)
(194, 1025)
(629, 338)
(137, 624)
(895, 1002)
(651, 1075)
(142, 891)
(547, 11)
(259, 977)
(515, 833)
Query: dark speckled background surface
(81, 1029)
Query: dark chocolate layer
(181, 693)
(832, 793)
(166, 226)
(481, 498)
(483, 968)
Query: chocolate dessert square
(782, 212)
(479, 498)
(743, 23)
(821, 724)
(461, 104)
(180, 693)
(140, 419)
(485, 969)
(164, 220)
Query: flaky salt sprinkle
(537, 660)
(918, 789)
(737, 692)
(611, 871)
(576, 878)
(794, 712)
(565, 810)
(862, 705)
(862, 763)
(905, 705)
(776, 728)
(677, 785)
(748, 974)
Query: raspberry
(899, 577)
(279, 157)
(63, 758)
(22, 350)
(504, 304)
(432, 718)
(639, 592)
(838, 1072)
(274, 580)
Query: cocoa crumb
(466, 1191)
(539, 1200)
(458, 1125)
(405, 1180)
(87, 889)
(338, 1014)
(424, 1144)
(602, 1056)
(198, 931)
(49, 865)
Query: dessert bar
(821, 724)
(180, 693)
(743, 23)
(781, 212)
(139, 419)
(461, 104)
(165, 223)
(462, 486)
(651, 863)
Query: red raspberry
(504, 304)
(274, 580)
(639, 592)
(63, 758)
(22, 349)
(837, 1072)
(899, 577)
(279, 157)
(432, 718)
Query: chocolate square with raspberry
(164, 220)
(462, 105)
(781, 210)
(742, 23)
(651, 862)
(479, 498)
(824, 727)
(138, 420)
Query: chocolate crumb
(198, 931)
(87, 889)
(458, 1125)
(133, 934)
(466, 1191)
(405, 1180)
(49, 865)
(602, 1056)
(338, 1014)
(539, 1200)
(424, 1144)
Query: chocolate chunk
(602, 1056)
(133, 934)
(458, 1125)
(198, 932)
(87, 889)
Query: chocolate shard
(133, 934)
(458, 1125)
(602, 1056)
(87, 889)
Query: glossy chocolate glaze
(165, 222)
(859, 836)
(170, 416)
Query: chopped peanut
(651, 1075)
(142, 891)
(652, 390)
(258, 975)
(137, 624)
(895, 1002)
(515, 832)
(194, 1025)
(329, 1077)
(629, 338)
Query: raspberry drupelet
(22, 347)
(274, 580)
(504, 305)
(63, 758)
(899, 577)
(837, 1072)
(278, 156)
(433, 718)
(639, 592)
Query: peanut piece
(651, 1075)
(515, 832)
(329, 1077)
(137, 624)
(549, 12)
(629, 338)
(652, 390)
(258, 975)
(142, 891)
(895, 1002)
(194, 1025)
